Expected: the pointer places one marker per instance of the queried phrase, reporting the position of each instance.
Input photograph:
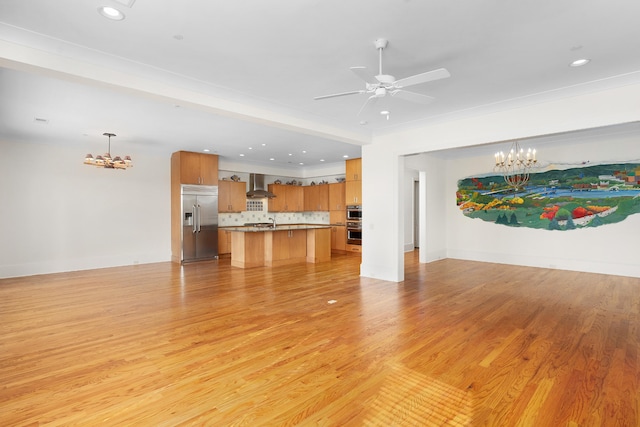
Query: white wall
(381, 171)
(58, 214)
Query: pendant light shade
(106, 161)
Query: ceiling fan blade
(429, 76)
(364, 74)
(368, 103)
(412, 96)
(354, 92)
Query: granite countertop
(279, 227)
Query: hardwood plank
(457, 343)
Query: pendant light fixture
(106, 161)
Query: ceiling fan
(384, 84)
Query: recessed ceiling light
(322, 160)
(271, 158)
(345, 156)
(264, 145)
(580, 62)
(241, 155)
(384, 112)
(111, 13)
(304, 151)
(301, 163)
(250, 148)
(291, 154)
(206, 150)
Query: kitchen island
(282, 245)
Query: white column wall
(382, 187)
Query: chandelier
(106, 161)
(516, 165)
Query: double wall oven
(354, 225)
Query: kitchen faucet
(273, 220)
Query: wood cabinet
(353, 192)
(248, 249)
(194, 168)
(224, 241)
(232, 196)
(319, 245)
(353, 168)
(285, 247)
(338, 238)
(338, 221)
(354, 249)
(353, 185)
(289, 198)
(316, 198)
(337, 197)
(338, 217)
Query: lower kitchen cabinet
(286, 246)
(224, 241)
(338, 238)
(354, 249)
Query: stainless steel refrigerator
(199, 222)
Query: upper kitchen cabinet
(232, 196)
(337, 197)
(289, 198)
(353, 192)
(353, 185)
(316, 198)
(195, 168)
(353, 169)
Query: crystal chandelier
(516, 165)
(106, 161)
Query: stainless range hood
(257, 189)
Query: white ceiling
(228, 76)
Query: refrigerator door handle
(194, 215)
(199, 219)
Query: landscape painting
(568, 199)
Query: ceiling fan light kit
(380, 85)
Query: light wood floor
(458, 343)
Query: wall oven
(354, 233)
(354, 213)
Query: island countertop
(279, 227)
(286, 244)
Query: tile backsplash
(237, 219)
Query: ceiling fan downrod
(380, 45)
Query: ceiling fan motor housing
(385, 79)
